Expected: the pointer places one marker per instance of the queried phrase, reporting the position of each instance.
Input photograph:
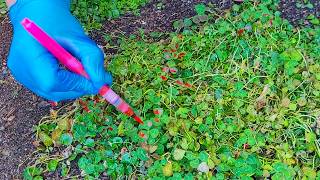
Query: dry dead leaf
(152, 149)
(261, 101)
(285, 102)
(10, 118)
(55, 135)
(145, 146)
(148, 163)
(36, 143)
(53, 114)
(123, 150)
(155, 156)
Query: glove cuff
(20, 4)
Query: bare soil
(19, 111)
(297, 16)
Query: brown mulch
(20, 109)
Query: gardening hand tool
(75, 66)
(34, 67)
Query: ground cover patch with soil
(232, 95)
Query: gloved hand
(34, 67)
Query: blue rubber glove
(37, 69)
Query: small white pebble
(67, 152)
(203, 167)
(5, 152)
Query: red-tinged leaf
(84, 106)
(123, 150)
(165, 69)
(165, 50)
(237, 154)
(173, 70)
(179, 82)
(181, 55)
(82, 103)
(158, 111)
(96, 100)
(110, 128)
(180, 36)
(164, 78)
(188, 85)
(240, 32)
(141, 134)
(53, 104)
(177, 46)
(270, 22)
(86, 109)
(167, 56)
(245, 146)
(156, 119)
(175, 55)
(173, 50)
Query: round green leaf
(126, 158)
(52, 165)
(117, 140)
(187, 22)
(89, 142)
(194, 163)
(47, 141)
(200, 9)
(178, 154)
(203, 156)
(66, 139)
(167, 170)
(154, 133)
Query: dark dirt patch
(297, 16)
(155, 19)
(157, 16)
(20, 109)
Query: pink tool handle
(75, 66)
(53, 47)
